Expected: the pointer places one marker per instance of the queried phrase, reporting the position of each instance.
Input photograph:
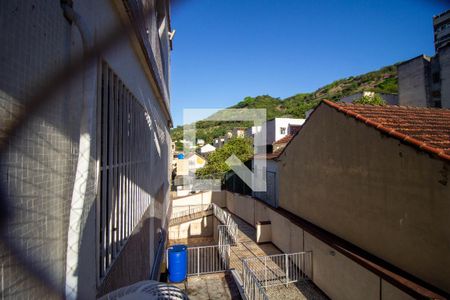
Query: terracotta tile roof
(284, 140)
(268, 156)
(425, 128)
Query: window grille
(124, 152)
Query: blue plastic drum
(177, 263)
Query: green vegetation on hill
(382, 81)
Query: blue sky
(225, 50)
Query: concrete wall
(413, 81)
(371, 190)
(243, 206)
(444, 61)
(202, 198)
(195, 228)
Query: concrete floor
(211, 286)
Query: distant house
(391, 99)
(195, 161)
(278, 128)
(377, 177)
(207, 149)
(238, 132)
(188, 165)
(271, 170)
(219, 142)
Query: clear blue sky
(225, 50)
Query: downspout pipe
(78, 201)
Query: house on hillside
(391, 99)
(377, 177)
(207, 149)
(278, 128)
(219, 142)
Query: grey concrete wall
(384, 196)
(444, 61)
(413, 82)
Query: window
(282, 130)
(436, 77)
(124, 152)
(438, 104)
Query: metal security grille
(124, 152)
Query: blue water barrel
(177, 263)
(181, 156)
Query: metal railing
(228, 231)
(280, 269)
(252, 287)
(188, 210)
(208, 259)
(228, 234)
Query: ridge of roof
(422, 145)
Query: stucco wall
(201, 199)
(381, 195)
(195, 228)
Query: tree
(371, 100)
(216, 166)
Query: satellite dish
(147, 289)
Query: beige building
(376, 177)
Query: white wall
(274, 126)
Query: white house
(278, 128)
(208, 148)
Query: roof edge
(392, 132)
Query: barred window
(124, 151)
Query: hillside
(381, 81)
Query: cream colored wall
(381, 195)
(261, 212)
(338, 276)
(201, 198)
(194, 228)
(243, 206)
(263, 233)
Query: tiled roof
(425, 128)
(284, 139)
(268, 156)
